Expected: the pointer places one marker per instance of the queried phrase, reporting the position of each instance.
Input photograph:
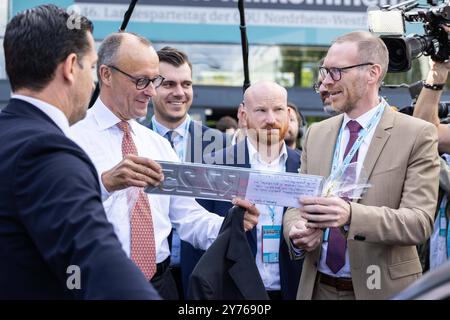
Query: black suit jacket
(227, 271)
(51, 217)
(290, 270)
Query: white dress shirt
(364, 121)
(57, 116)
(99, 136)
(270, 272)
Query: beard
(269, 136)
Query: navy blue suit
(289, 270)
(51, 217)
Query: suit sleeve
(412, 223)
(58, 198)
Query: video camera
(389, 23)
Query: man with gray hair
(368, 247)
(124, 154)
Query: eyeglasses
(336, 73)
(142, 83)
(316, 86)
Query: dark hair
(225, 123)
(299, 116)
(174, 57)
(37, 40)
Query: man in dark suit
(266, 115)
(190, 139)
(55, 240)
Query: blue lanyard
(337, 171)
(443, 218)
(448, 240)
(180, 151)
(272, 214)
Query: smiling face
(174, 96)
(350, 91)
(138, 60)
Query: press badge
(270, 243)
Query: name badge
(271, 243)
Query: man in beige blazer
(379, 232)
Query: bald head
(265, 112)
(120, 45)
(127, 60)
(264, 91)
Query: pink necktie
(143, 251)
(336, 241)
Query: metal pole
(123, 26)
(244, 44)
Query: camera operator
(426, 107)
(435, 251)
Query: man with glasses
(122, 149)
(187, 137)
(323, 93)
(363, 245)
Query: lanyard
(272, 214)
(443, 218)
(179, 151)
(337, 171)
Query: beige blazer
(394, 215)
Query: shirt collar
(57, 116)
(182, 130)
(363, 119)
(106, 118)
(253, 154)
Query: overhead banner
(272, 20)
(335, 5)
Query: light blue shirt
(181, 135)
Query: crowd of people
(72, 192)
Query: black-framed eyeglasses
(142, 83)
(316, 86)
(336, 73)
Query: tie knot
(171, 134)
(354, 126)
(124, 126)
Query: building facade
(286, 40)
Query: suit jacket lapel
(379, 139)
(190, 145)
(292, 161)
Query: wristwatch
(436, 86)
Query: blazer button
(360, 237)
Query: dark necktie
(143, 249)
(336, 241)
(170, 136)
